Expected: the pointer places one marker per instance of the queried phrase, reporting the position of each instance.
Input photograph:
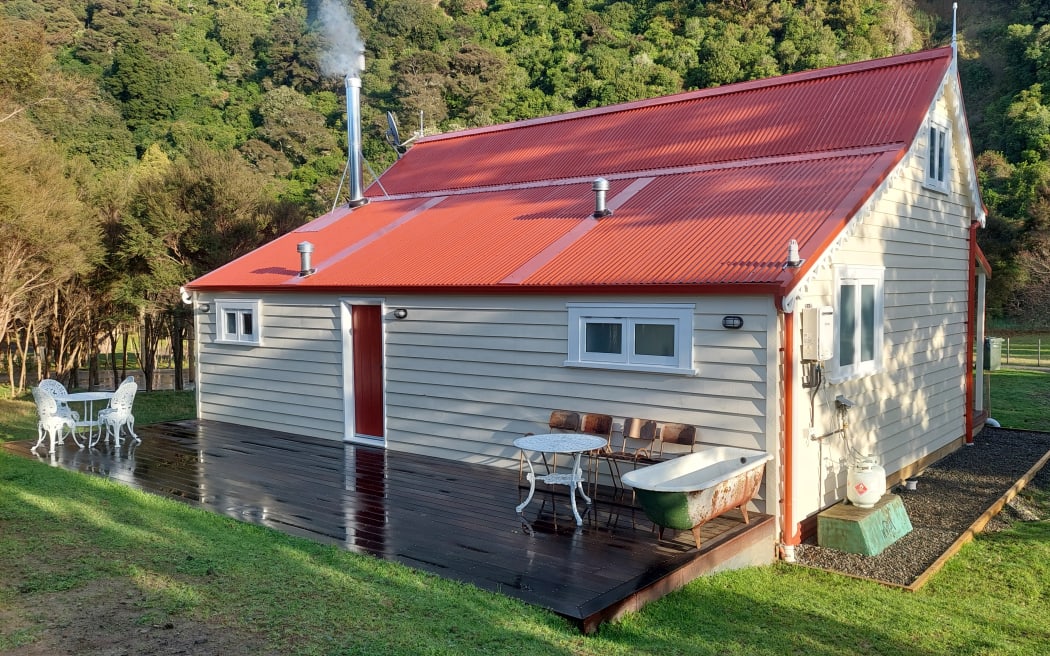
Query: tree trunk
(112, 334)
(124, 360)
(11, 370)
(150, 339)
(23, 350)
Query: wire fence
(1025, 352)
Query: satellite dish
(393, 136)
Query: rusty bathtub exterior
(685, 492)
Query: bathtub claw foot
(696, 536)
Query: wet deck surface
(453, 519)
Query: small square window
(636, 337)
(238, 321)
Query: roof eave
(676, 289)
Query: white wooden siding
(292, 382)
(917, 404)
(466, 375)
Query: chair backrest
(564, 421)
(46, 406)
(124, 397)
(595, 424)
(680, 434)
(637, 434)
(53, 387)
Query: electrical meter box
(818, 334)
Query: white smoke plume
(342, 40)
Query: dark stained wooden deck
(453, 519)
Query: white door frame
(346, 330)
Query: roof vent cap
(305, 249)
(793, 259)
(599, 187)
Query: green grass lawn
(1021, 398)
(60, 530)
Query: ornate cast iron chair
(57, 389)
(118, 415)
(51, 421)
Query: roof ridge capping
(944, 52)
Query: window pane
(604, 338)
(654, 339)
(867, 323)
(847, 324)
(931, 152)
(246, 323)
(231, 324)
(941, 155)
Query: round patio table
(88, 416)
(574, 443)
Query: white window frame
(859, 277)
(938, 173)
(251, 307)
(628, 315)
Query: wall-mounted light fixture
(400, 313)
(204, 307)
(732, 322)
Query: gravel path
(951, 495)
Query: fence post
(1007, 350)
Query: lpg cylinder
(865, 482)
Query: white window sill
(234, 342)
(645, 368)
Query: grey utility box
(993, 353)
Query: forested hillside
(143, 142)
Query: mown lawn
(60, 530)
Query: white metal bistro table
(573, 443)
(88, 416)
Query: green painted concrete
(866, 531)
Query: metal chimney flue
(353, 134)
(305, 249)
(599, 187)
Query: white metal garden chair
(51, 422)
(118, 415)
(57, 389)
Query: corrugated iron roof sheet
(712, 184)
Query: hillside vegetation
(144, 142)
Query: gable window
(657, 337)
(238, 321)
(858, 329)
(938, 156)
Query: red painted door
(367, 329)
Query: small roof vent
(599, 187)
(305, 250)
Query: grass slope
(59, 531)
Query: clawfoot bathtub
(687, 491)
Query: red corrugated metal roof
(709, 186)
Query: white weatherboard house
(763, 249)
